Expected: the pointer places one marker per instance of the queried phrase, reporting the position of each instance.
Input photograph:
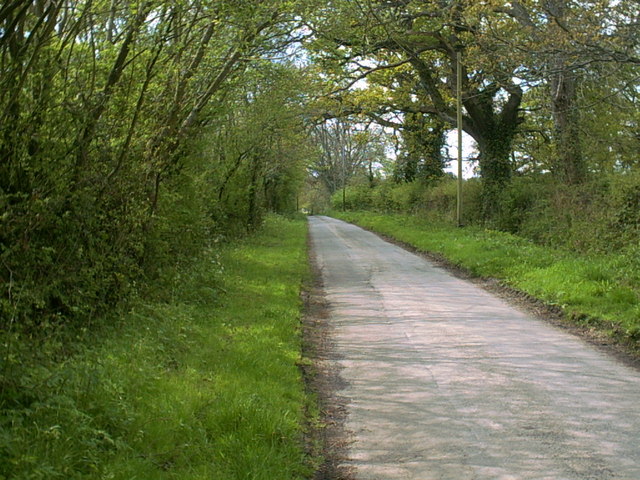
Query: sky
(469, 151)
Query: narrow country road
(446, 381)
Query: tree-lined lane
(447, 381)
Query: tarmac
(446, 381)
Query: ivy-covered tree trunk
(494, 133)
(495, 167)
(434, 162)
(423, 141)
(492, 126)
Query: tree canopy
(518, 59)
(120, 120)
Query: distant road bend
(446, 381)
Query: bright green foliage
(423, 143)
(408, 52)
(102, 107)
(436, 199)
(203, 384)
(594, 289)
(121, 126)
(596, 217)
(259, 149)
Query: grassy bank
(200, 385)
(600, 291)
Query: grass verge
(202, 385)
(600, 292)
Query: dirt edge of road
(328, 437)
(614, 345)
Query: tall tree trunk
(569, 166)
(423, 138)
(494, 133)
(495, 167)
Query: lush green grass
(202, 385)
(602, 291)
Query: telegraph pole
(459, 121)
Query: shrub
(440, 201)
(625, 203)
(407, 196)
(356, 197)
(600, 215)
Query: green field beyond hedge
(599, 291)
(203, 384)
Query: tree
(259, 147)
(421, 153)
(422, 40)
(345, 148)
(102, 104)
(564, 42)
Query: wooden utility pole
(459, 121)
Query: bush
(523, 196)
(354, 197)
(440, 201)
(598, 216)
(625, 203)
(203, 383)
(407, 196)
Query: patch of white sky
(469, 154)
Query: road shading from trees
(446, 381)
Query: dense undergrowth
(199, 381)
(599, 216)
(599, 290)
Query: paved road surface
(448, 382)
